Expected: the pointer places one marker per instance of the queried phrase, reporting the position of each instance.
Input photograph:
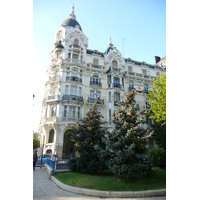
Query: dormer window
(115, 64)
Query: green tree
(157, 99)
(126, 145)
(88, 142)
(36, 143)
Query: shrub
(158, 157)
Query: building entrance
(68, 146)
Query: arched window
(76, 42)
(115, 64)
(53, 111)
(51, 136)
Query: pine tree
(125, 146)
(88, 142)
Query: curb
(109, 194)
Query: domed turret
(71, 20)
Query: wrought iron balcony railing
(72, 98)
(92, 100)
(74, 78)
(117, 85)
(95, 83)
(115, 103)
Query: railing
(140, 75)
(131, 73)
(92, 100)
(76, 46)
(58, 164)
(117, 85)
(115, 103)
(72, 98)
(146, 76)
(95, 83)
(62, 119)
(54, 97)
(74, 78)
(115, 69)
(69, 60)
(94, 66)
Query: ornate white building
(77, 75)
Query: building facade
(76, 76)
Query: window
(65, 110)
(130, 86)
(69, 55)
(74, 73)
(75, 56)
(116, 80)
(145, 88)
(109, 116)
(95, 79)
(116, 96)
(76, 42)
(129, 69)
(114, 64)
(80, 91)
(144, 71)
(95, 61)
(73, 90)
(109, 96)
(78, 112)
(53, 111)
(72, 111)
(51, 136)
(67, 75)
(98, 94)
(92, 94)
(66, 89)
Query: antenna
(123, 45)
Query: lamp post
(42, 152)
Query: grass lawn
(105, 181)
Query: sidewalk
(45, 189)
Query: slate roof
(71, 22)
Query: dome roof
(71, 22)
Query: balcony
(73, 98)
(117, 85)
(91, 65)
(96, 83)
(115, 103)
(74, 78)
(92, 100)
(62, 119)
(131, 73)
(75, 61)
(75, 46)
(115, 69)
(53, 98)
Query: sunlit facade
(76, 76)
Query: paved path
(45, 189)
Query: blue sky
(141, 22)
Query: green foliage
(157, 99)
(159, 134)
(88, 142)
(125, 146)
(158, 157)
(36, 143)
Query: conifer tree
(88, 143)
(126, 144)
